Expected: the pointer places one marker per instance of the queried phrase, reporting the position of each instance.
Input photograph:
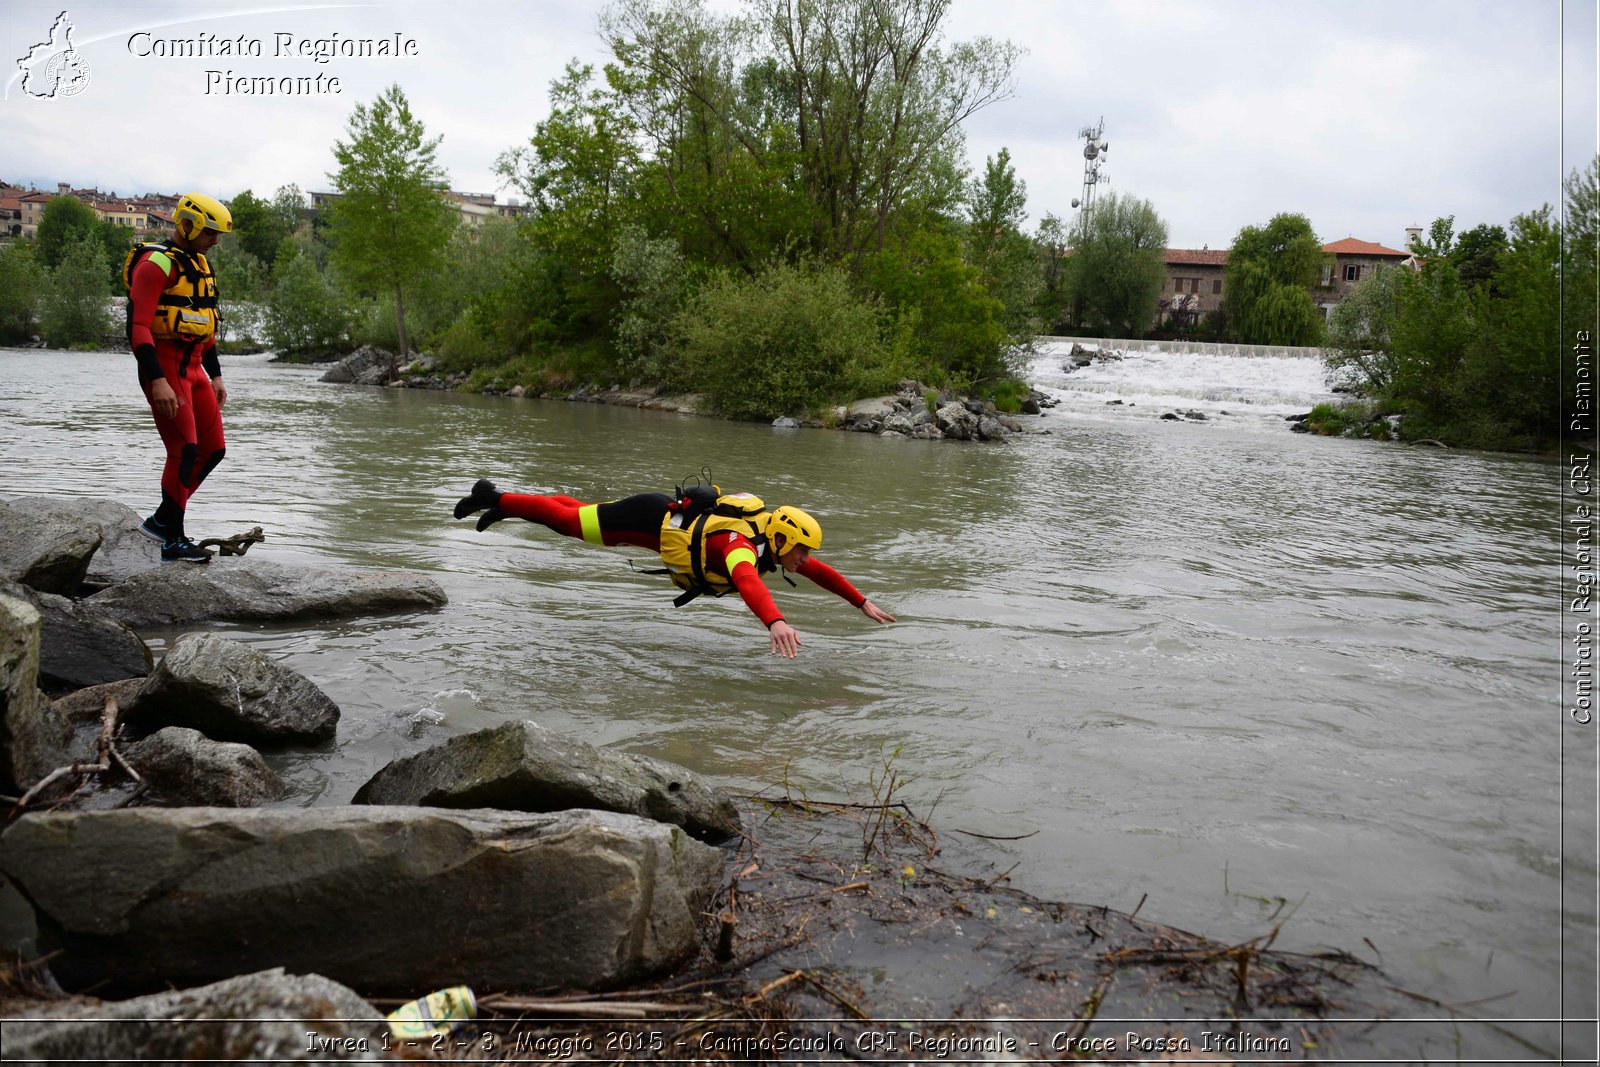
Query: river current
(1247, 676)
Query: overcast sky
(1365, 116)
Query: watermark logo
(54, 68)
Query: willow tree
(390, 223)
(1271, 270)
(1118, 265)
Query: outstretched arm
(840, 586)
(739, 557)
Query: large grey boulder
(521, 766)
(188, 765)
(367, 365)
(256, 1018)
(123, 550)
(230, 692)
(241, 589)
(954, 420)
(395, 900)
(41, 549)
(33, 736)
(80, 645)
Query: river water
(1247, 676)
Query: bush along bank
(913, 409)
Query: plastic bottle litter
(436, 1013)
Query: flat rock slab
(241, 589)
(521, 766)
(390, 900)
(256, 1018)
(230, 692)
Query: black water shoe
(483, 495)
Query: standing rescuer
(172, 326)
(709, 543)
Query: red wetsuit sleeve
(149, 282)
(831, 580)
(743, 574)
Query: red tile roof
(1197, 257)
(1352, 247)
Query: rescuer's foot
(489, 518)
(156, 530)
(483, 495)
(184, 550)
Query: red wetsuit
(637, 521)
(194, 435)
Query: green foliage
(73, 312)
(1347, 420)
(996, 246)
(1580, 271)
(21, 283)
(650, 272)
(390, 224)
(1360, 345)
(784, 342)
(260, 226)
(305, 313)
(949, 328)
(64, 221)
(1118, 265)
(1050, 249)
(1474, 363)
(1267, 285)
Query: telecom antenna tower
(1095, 147)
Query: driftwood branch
(105, 749)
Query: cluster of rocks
(511, 859)
(914, 410)
(1085, 355)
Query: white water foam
(1232, 392)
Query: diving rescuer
(172, 326)
(708, 542)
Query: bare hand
(221, 391)
(785, 642)
(163, 399)
(875, 613)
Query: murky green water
(1222, 669)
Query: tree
(1476, 254)
(258, 229)
(73, 310)
(21, 281)
(1118, 265)
(1271, 270)
(305, 313)
(1360, 344)
(390, 223)
(844, 107)
(997, 247)
(1580, 269)
(65, 220)
(1051, 243)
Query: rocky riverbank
(601, 904)
(914, 410)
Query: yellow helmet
(797, 527)
(197, 211)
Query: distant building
(1353, 263)
(1195, 277)
(1193, 286)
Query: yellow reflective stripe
(589, 520)
(738, 556)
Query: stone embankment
(914, 410)
(142, 851)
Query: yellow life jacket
(187, 310)
(683, 543)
